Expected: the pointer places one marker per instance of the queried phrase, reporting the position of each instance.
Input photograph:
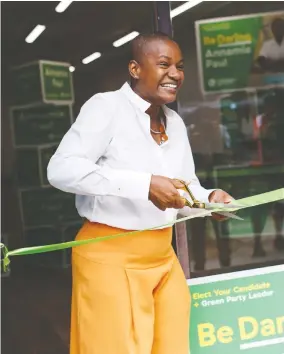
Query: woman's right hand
(164, 193)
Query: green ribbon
(252, 201)
(5, 260)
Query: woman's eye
(164, 64)
(181, 67)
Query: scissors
(209, 206)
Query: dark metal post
(163, 23)
(162, 18)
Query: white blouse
(108, 156)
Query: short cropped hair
(140, 42)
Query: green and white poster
(240, 52)
(57, 82)
(42, 81)
(241, 312)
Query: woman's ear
(134, 69)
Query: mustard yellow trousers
(129, 295)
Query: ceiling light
(35, 33)
(125, 39)
(62, 6)
(184, 7)
(71, 68)
(91, 57)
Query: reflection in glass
(236, 133)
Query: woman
(121, 158)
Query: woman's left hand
(220, 196)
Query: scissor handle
(195, 203)
(199, 205)
(187, 203)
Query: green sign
(42, 235)
(42, 82)
(42, 124)
(229, 52)
(47, 206)
(32, 164)
(240, 312)
(56, 83)
(26, 84)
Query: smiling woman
(156, 68)
(120, 159)
(156, 72)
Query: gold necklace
(155, 132)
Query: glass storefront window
(235, 130)
(232, 103)
(38, 106)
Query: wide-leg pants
(129, 294)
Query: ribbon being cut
(248, 202)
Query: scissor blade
(229, 215)
(210, 206)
